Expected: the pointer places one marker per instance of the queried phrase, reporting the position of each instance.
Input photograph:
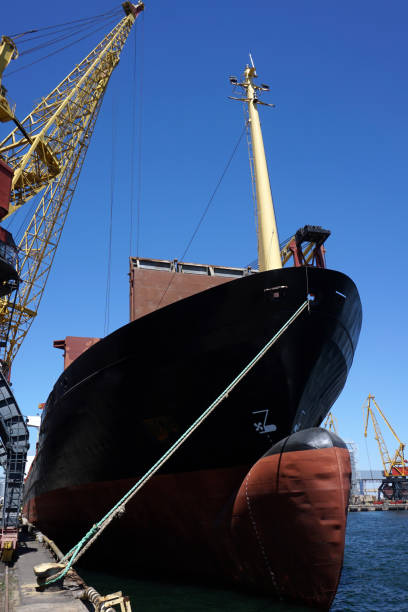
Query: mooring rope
(79, 549)
(210, 201)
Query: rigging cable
(60, 25)
(61, 36)
(132, 147)
(251, 165)
(204, 214)
(284, 242)
(10, 222)
(112, 192)
(103, 26)
(139, 168)
(133, 143)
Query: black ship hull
(119, 406)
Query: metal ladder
(13, 454)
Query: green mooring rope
(73, 554)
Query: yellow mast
(269, 257)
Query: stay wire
(204, 213)
(62, 36)
(14, 36)
(251, 166)
(54, 41)
(139, 168)
(284, 242)
(60, 49)
(111, 204)
(71, 28)
(133, 144)
(132, 147)
(60, 25)
(24, 220)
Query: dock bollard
(43, 571)
(105, 603)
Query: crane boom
(48, 153)
(397, 464)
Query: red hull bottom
(289, 523)
(279, 528)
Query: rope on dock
(79, 549)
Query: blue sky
(337, 153)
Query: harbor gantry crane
(43, 153)
(395, 483)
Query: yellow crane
(395, 484)
(331, 423)
(46, 152)
(397, 465)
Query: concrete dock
(382, 507)
(19, 591)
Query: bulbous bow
(289, 518)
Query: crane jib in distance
(43, 153)
(395, 483)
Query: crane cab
(8, 249)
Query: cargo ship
(257, 495)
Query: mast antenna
(269, 257)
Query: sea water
(374, 579)
(375, 571)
